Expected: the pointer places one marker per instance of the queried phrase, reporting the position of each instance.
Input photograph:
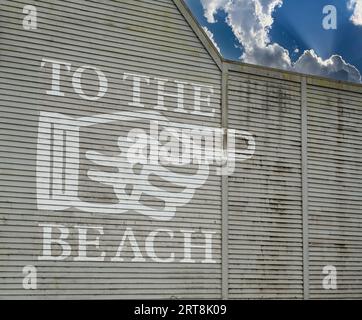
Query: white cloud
(271, 55)
(211, 7)
(356, 6)
(251, 21)
(334, 67)
(211, 36)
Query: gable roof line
(200, 33)
(221, 62)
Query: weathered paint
(274, 223)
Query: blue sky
(296, 25)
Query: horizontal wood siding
(149, 38)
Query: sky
(320, 37)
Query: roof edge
(200, 33)
(294, 76)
